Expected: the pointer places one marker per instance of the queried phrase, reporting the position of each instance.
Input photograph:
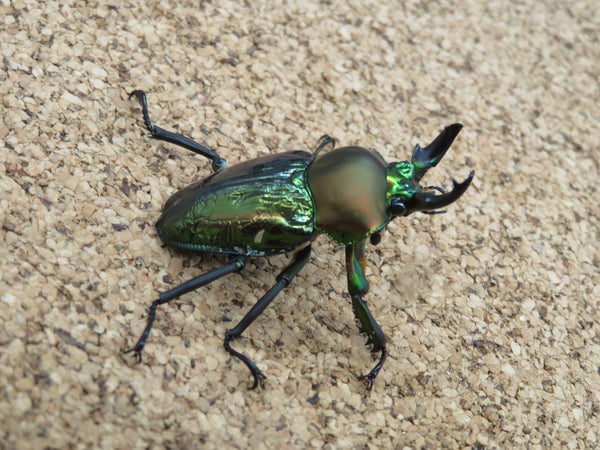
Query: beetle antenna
(436, 188)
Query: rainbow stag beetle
(280, 203)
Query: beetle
(279, 203)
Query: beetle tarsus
(323, 142)
(258, 376)
(139, 346)
(141, 96)
(369, 378)
(137, 352)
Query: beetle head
(405, 196)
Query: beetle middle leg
(218, 163)
(324, 141)
(236, 264)
(283, 279)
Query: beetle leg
(237, 263)
(283, 279)
(323, 142)
(357, 287)
(218, 163)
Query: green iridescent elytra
(256, 208)
(280, 203)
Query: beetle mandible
(280, 203)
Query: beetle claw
(259, 379)
(137, 352)
(368, 380)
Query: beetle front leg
(283, 279)
(357, 287)
(218, 163)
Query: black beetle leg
(283, 279)
(369, 378)
(358, 286)
(218, 163)
(237, 263)
(323, 142)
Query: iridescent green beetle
(280, 203)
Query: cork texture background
(491, 309)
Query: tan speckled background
(491, 309)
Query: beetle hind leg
(236, 264)
(218, 163)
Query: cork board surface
(491, 309)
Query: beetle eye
(398, 207)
